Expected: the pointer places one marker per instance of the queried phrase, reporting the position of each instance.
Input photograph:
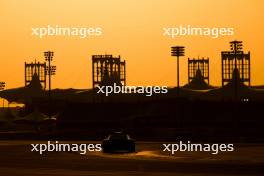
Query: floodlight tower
(2, 87)
(178, 51)
(236, 48)
(50, 71)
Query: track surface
(16, 158)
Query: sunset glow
(132, 29)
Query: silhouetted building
(33, 70)
(107, 70)
(198, 64)
(228, 66)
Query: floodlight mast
(178, 51)
(2, 87)
(236, 47)
(50, 71)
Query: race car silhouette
(118, 142)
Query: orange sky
(131, 28)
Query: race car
(118, 142)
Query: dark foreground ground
(16, 158)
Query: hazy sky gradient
(132, 29)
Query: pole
(49, 87)
(178, 51)
(235, 47)
(50, 71)
(48, 55)
(178, 76)
(2, 87)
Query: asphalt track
(16, 158)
